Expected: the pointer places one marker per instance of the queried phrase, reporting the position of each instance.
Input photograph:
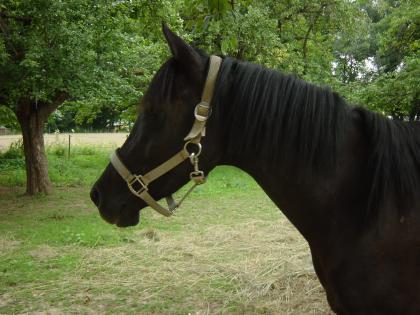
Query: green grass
(228, 250)
(87, 162)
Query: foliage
(105, 53)
(12, 159)
(95, 51)
(391, 82)
(8, 118)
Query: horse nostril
(94, 195)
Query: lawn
(228, 249)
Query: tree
(391, 86)
(53, 52)
(30, 80)
(399, 48)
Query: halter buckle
(205, 105)
(142, 188)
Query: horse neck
(307, 200)
(295, 198)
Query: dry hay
(253, 268)
(44, 253)
(8, 244)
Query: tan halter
(201, 112)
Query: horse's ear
(181, 51)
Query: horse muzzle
(118, 214)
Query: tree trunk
(32, 116)
(32, 124)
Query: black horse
(347, 178)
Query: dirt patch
(49, 311)
(5, 299)
(10, 191)
(44, 253)
(7, 245)
(150, 234)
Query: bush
(13, 158)
(57, 150)
(15, 151)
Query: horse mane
(394, 158)
(280, 117)
(287, 121)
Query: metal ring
(195, 153)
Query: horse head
(161, 152)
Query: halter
(138, 184)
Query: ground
(228, 250)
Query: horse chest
(372, 281)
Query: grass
(81, 168)
(228, 250)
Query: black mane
(394, 158)
(286, 120)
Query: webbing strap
(120, 167)
(166, 166)
(214, 66)
(202, 110)
(153, 174)
(155, 205)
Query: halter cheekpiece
(138, 184)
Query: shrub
(15, 151)
(58, 150)
(13, 158)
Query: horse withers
(347, 178)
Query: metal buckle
(137, 178)
(198, 177)
(204, 105)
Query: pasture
(228, 249)
(81, 139)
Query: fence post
(69, 146)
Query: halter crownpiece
(138, 184)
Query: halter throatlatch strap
(138, 184)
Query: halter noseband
(138, 184)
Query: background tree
(51, 52)
(390, 83)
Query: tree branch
(306, 38)
(4, 28)
(48, 108)
(25, 19)
(27, 105)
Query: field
(228, 250)
(107, 139)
